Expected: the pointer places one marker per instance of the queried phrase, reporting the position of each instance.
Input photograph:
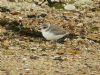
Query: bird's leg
(60, 41)
(53, 41)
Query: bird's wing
(57, 30)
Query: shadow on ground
(18, 27)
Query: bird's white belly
(50, 36)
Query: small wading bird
(52, 32)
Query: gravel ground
(24, 51)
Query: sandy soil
(24, 51)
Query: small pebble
(69, 7)
(26, 66)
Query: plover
(52, 32)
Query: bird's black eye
(44, 27)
